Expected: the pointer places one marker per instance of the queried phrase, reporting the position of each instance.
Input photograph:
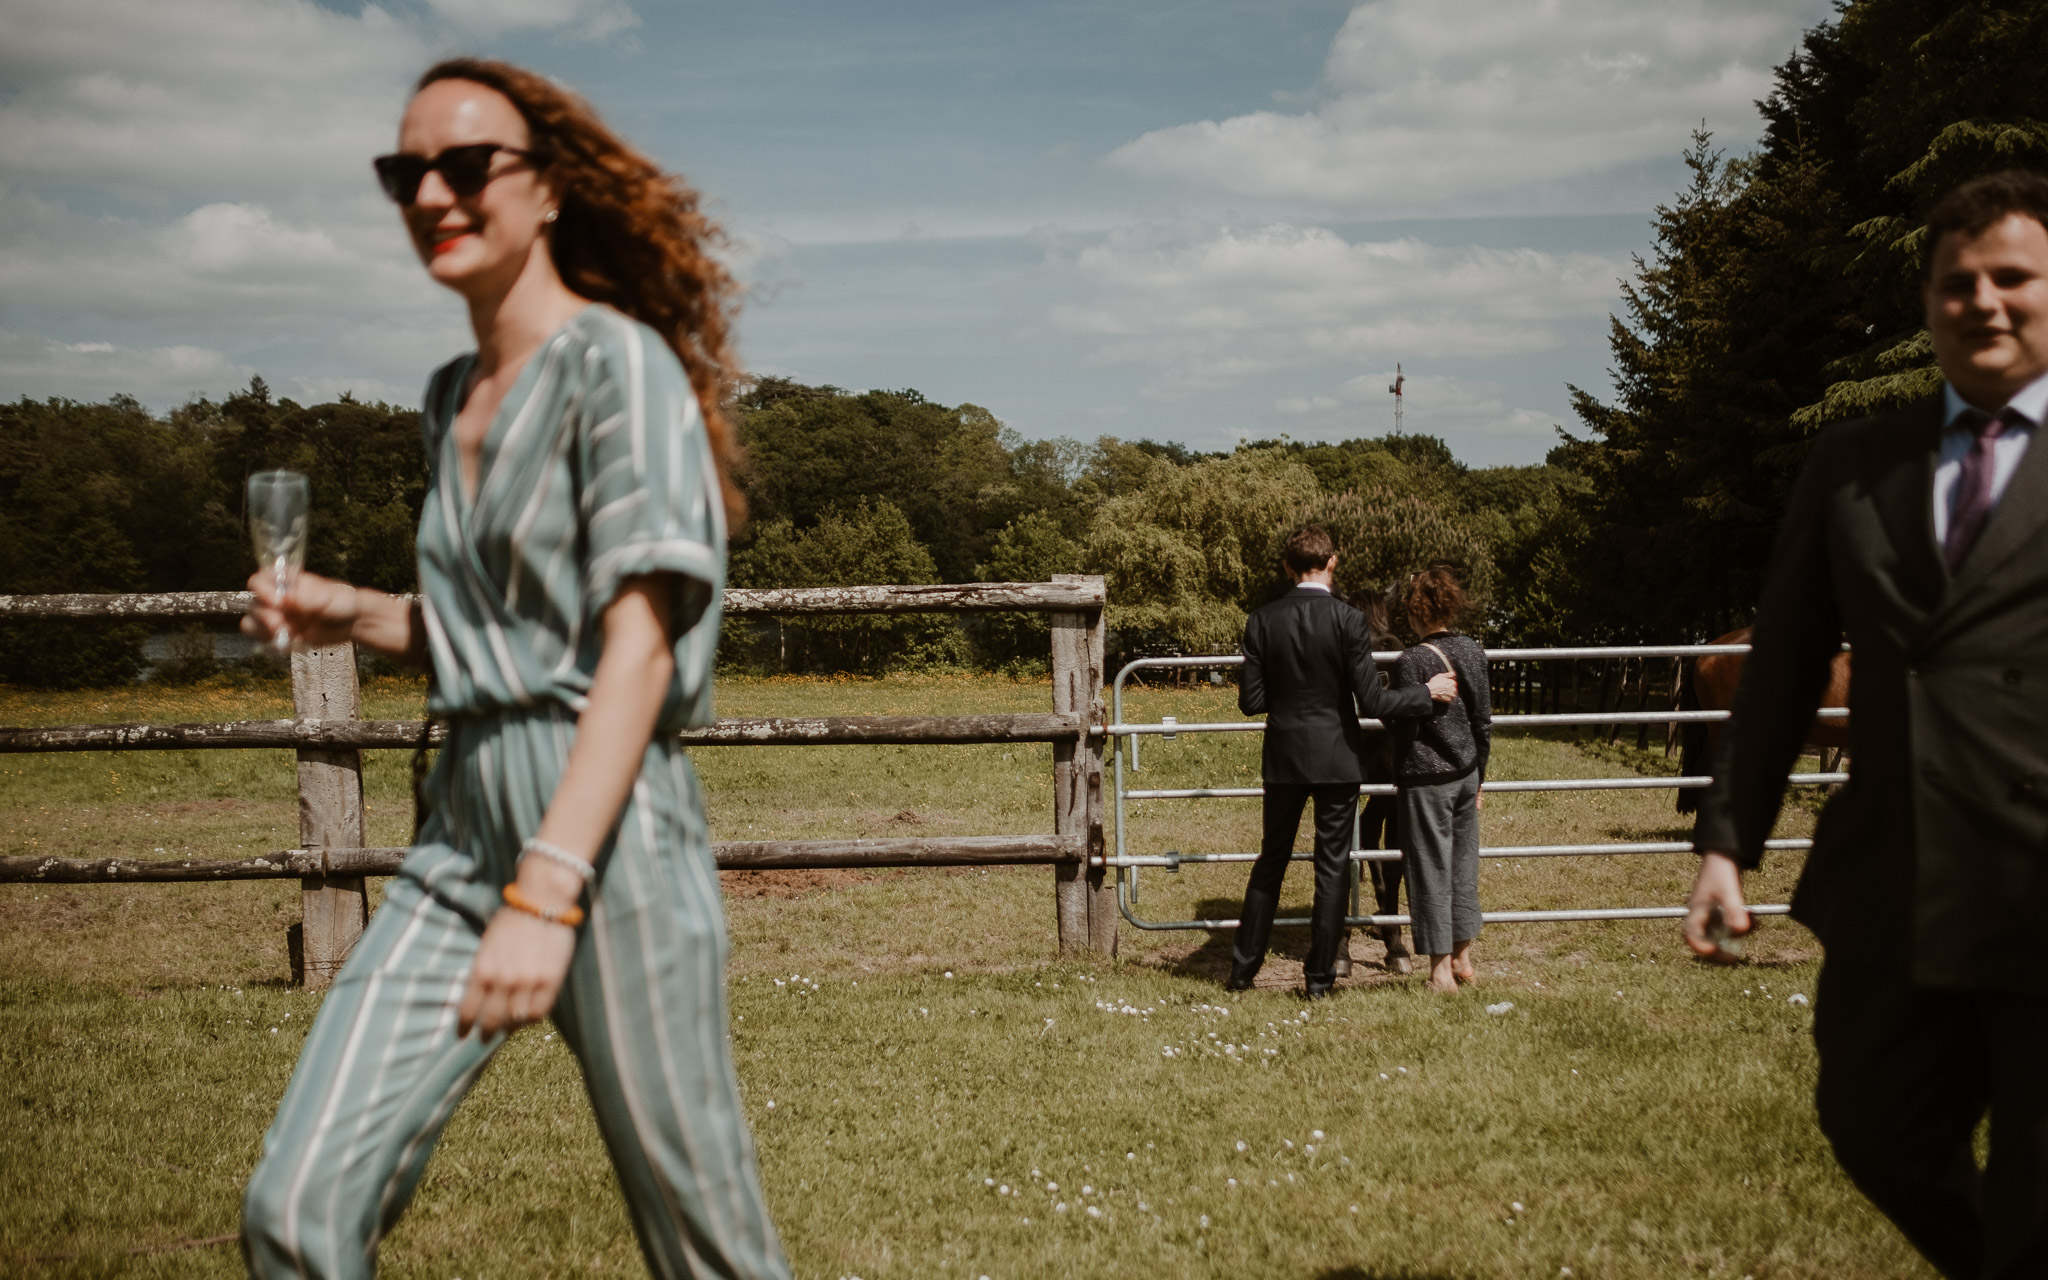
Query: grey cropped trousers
(1440, 851)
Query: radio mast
(1396, 389)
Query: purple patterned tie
(1973, 486)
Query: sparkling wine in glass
(279, 503)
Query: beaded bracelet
(570, 915)
(561, 857)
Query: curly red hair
(1434, 600)
(629, 236)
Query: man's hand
(1443, 688)
(1719, 885)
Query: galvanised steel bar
(1174, 861)
(1534, 784)
(1531, 721)
(1487, 917)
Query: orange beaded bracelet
(570, 915)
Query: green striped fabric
(596, 469)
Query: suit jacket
(1935, 856)
(1308, 667)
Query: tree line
(1781, 295)
(843, 487)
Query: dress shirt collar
(2032, 401)
(1311, 586)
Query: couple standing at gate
(1308, 667)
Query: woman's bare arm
(523, 959)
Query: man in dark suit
(1922, 536)
(1308, 667)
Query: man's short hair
(1308, 548)
(1982, 203)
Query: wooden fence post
(1084, 896)
(333, 909)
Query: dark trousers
(1906, 1073)
(1336, 803)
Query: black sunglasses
(467, 170)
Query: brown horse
(1710, 686)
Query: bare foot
(1442, 986)
(1441, 975)
(1461, 963)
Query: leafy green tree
(109, 497)
(1725, 334)
(946, 469)
(1382, 536)
(99, 498)
(1189, 548)
(1031, 548)
(1915, 97)
(1784, 294)
(869, 541)
(367, 468)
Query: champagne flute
(279, 503)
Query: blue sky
(1190, 221)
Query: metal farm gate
(1127, 736)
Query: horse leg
(1380, 831)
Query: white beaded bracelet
(561, 856)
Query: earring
(551, 215)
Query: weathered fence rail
(752, 855)
(777, 731)
(950, 597)
(329, 735)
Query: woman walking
(572, 560)
(1440, 762)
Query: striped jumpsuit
(596, 468)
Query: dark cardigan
(1457, 737)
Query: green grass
(1651, 1115)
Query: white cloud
(40, 368)
(1208, 307)
(154, 102)
(239, 272)
(590, 19)
(191, 182)
(1447, 407)
(1441, 104)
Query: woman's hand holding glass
(312, 610)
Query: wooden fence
(329, 735)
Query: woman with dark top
(1440, 762)
(572, 563)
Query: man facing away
(1922, 536)
(1308, 667)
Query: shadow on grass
(1210, 962)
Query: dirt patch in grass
(786, 884)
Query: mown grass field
(1635, 1115)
